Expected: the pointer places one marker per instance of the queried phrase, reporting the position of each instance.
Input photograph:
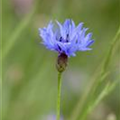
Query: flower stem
(59, 96)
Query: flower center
(67, 38)
(61, 39)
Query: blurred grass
(93, 97)
(19, 29)
(28, 73)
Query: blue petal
(67, 24)
(89, 43)
(62, 30)
(73, 24)
(79, 27)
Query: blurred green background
(29, 85)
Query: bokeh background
(29, 85)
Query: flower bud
(62, 62)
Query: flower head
(66, 38)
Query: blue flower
(66, 38)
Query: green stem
(59, 95)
